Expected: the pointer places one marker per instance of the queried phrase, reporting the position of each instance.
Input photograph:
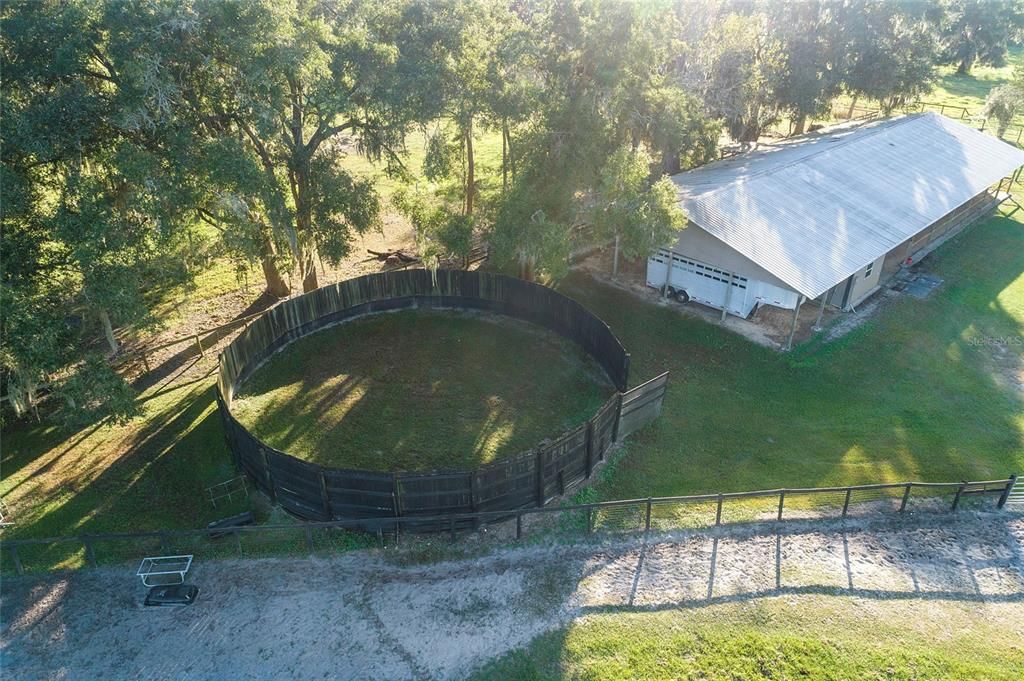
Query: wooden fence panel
(605, 423)
(641, 405)
(565, 462)
(507, 484)
(435, 493)
(360, 494)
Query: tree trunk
(799, 125)
(310, 282)
(964, 67)
(615, 258)
(752, 130)
(504, 156)
(304, 231)
(511, 156)
(853, 106)
(276, 284)
(526, 269)
(108, 331)
(670, 162)
(470, 166)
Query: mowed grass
(925, 391)
(421, 390)
(970, 90)
(819, 637)
(486, 154)
(148, 474)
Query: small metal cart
(164, 569)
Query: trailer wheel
(681, 296)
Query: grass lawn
(487, 156)
(421, 390)
(925, 391)
(970, 90)
(922, 392)
(822, 637)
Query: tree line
(140, 138)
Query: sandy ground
(367, 616)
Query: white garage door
(709, 285)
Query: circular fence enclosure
(531, 478)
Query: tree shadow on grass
(418, 390)
(158, 481)
(182, 360)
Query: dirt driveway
(362, 616)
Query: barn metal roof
(815, 210)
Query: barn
(829, 217)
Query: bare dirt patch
(362, 616)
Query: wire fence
(848, 109)
(655, 514)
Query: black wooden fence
(529, 479)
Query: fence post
(17, 560)
(473, 494)
(397, 502)
(647, 519)
(782, 500)
(90, 553)
(309, 540)
(906, 496)
(956, 499)
(718, 512)
(163, 542)
(1006, 491)
(238, 541)
(519, 525)
(451, 527)
(540, 477)
(269, 476)
(618, 417)
(324, 498)
(199, 344)
(590, 520)
(590, 448)
(846, 502)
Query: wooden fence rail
(628, 515)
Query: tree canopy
(141, 138)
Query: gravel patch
(360, 616)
